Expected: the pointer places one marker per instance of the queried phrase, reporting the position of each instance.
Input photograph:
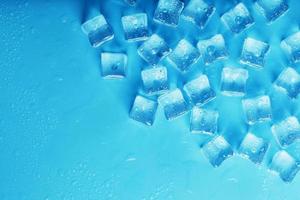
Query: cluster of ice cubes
(198, 91)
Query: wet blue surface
(65, 132)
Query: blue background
(65, 132)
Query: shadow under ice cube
(184, 55)
(143, 110)
(168, 12)
(173, 103)
(238, 18)
(289, 82)
(217, 150)
(97, 30)
(154, 49)
(272, 9)
(135, 27)
(257, 109)
(199, 90)
(253, 53)
(113, 65)
(285, 165)
(212, 49)
(155, 80)
(198, 12)
(253, 148)
(286, 131)
(233, 81)
(204, 121)
(291, 47)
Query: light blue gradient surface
(65, 132)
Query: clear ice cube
(291, 47)
(155, 80)
(272, 9)
(233, 81)
(199, 90)
(289, 82)
(135, 27)
(217, 150)
(257, 109)
(213, 49)
(154, 49)
(113, 65)
(97, 30)
(173, 103)
(131, 2)
(253, 148)
(286, 131)
(168, 12)
(143, 110)
(184, 55)
(198, 12)
(204, 121)
(238, 18)
(285, 165)
(253, 52)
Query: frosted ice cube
(143, 110)
(253, 53)
(238, 18)
(285, 165)
(113, 65)
(155, 80)
(173, 103)
(135, 27)
(154, 49)
(257, 109)
(97, 30)
(289, 82)
(272, 9)
(204, 121)
(168, 12)
(291, 46)
(198, 12)
(184, 55)
(131, 2)
(253, 148)
(199, 91)
(217, 150)
(213, 49)
(286, 131)
(233, 81)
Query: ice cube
(135, 27)
(238, 18)
(253, 53)
(168, 12)
(257, 109)
(184, 55)
(97, 30)
(113, 65)
(199, 91)
(173, 103)
(143, 110)
(285, 165)
(154, 49)
(213, 49)
(286, 131)
(291, 46)
(155, 80)
(204, 121)
(272, 9)
(233, 81)
(289, 82)
(253, 148)
(198, 12)
(217, 150)
(131, 2)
